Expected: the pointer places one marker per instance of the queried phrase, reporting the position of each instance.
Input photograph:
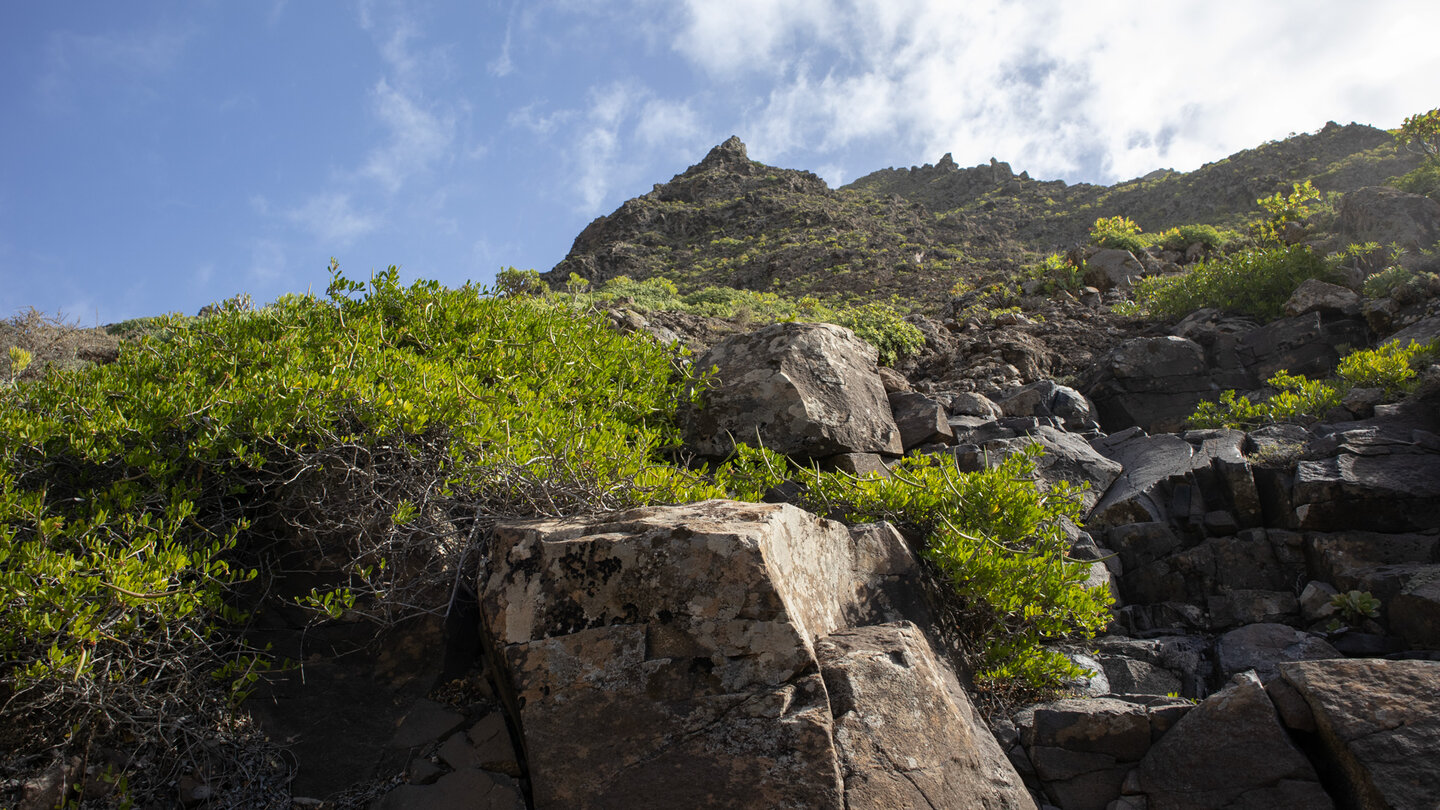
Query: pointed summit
(728, 154)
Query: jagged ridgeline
(912, 233)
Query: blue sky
(156, 156)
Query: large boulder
(1067, 457)
(1229, 752)
(1154, 383)
(1082, 748)
(1379, 723)
(905, 731)
(667, 656)
(1109, 268)
(801, 389)
(1386, 215)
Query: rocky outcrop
(904, 730)
(1156, 383)
(1386, 216)
(707, 638)
(808, 390)
(1379, 724)
(1229, 752)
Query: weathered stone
(1228, 476)
(971, 404)
(1306, 344)
(1379, 722)
(1414, 613)
(687, 632)
(1314, 295)
(892, 380)
(1250, 606)
(460, 790)
(905, 731)
(1151, 382)
(921, 419)
(1392, 493)
(859, 464)
(1230, 752)
(800, 389)
(1315, 599)
(1108, 268)
(1262, 647)
(1067, 458)
(1386, 215)
(425, 722)
(1132, 677)
(1083, 748)
(1367, 561)
(1152, 466)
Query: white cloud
(597, 144)
(136, 56)
(418, 137)
(1100, 90)
(528, 117)
(332, 218)
(664, 124)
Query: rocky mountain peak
(728, 155)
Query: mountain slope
(911, 234)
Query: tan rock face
(667, 657)
(905, 731)
(668, 653)
(1379, 721)
(800, 389)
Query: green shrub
(1300, 399)
(1356, 606)
(1423, 179)
(1117, 232)
(1390, 367)
(1182, 237)
(1253, 282)
(1281, 209)
(1058, 272)
(378, 432)
(881, 326)
(512, 282)
(997, 540)
(136, 495)
(1403, 285)
(1421, 132)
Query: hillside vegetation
(371, 438)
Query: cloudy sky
(156, 156)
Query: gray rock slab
(1230, 752)
(809, 390)
(1380, 724)
(906, 733)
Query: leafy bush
(1253, 282)
(1058, 272)
(997, 540)
(1356, 606)
(1421, 132)
(1282, 209)
(882, 327)
(1182, 237)
(1405, 286)
(511, 282)
(1299, 399)
(387, 427)
(1423, 179)
(1390, 367)
(1117, 232)
(135, 495)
